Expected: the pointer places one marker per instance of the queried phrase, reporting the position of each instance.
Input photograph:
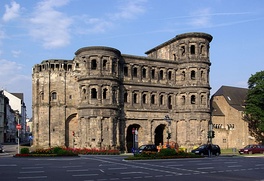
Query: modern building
(17, 113)
(101, 96)
(231, 130)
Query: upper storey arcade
(184, 47)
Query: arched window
(144, 73)
(104, 93)
(104, 64)
(93, 64)
(193, 75)
(144, 99)
(125, 71)
(53, 96)
(183, 75)
(161, 101)
(183, 100)
(153, 73)
(193, 99)
(192, 49)
(169, 75)
(152, 99)
(125, 97)
(161, 74)
(135, 72)
(135, 98)
(169, 102)
(93, 93)
(41, 96)
(202, 99)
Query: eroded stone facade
(96, 99)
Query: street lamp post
(168, 120)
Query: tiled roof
(235, 96)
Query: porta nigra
(99, 97)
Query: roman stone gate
(71, 128)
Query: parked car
(252, 149)
(203, 150)
(1, 148)
(146, 148)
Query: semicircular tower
(97, 70)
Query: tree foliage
(254, 110)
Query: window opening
(93, 93)
(135, 72)
(93, 64)
(135, 98)
(152, 99)
(104, 93)
(193, 99)
(169, 75)
(125, 97)
(192, 49)
(153, 73)
(193, 75)
(169, 102)
(53, 95)
(161, 74)
(104, 64)
(125, 71)
(144, 73)
(161, 100)
(144, 99)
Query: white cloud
(16, 53)
(201, 18)
(130, 10)
(50, 26)
(11, 12)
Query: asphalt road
(112, 168)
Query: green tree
(254, 110)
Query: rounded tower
(98, 77)
(192, 55)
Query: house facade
(101, 96)
(231, 130)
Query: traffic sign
(18, 126)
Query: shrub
(24, 150)
(57, 150)
(167, 152)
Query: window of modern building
(93, 93)
(93, 64)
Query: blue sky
(36, 30)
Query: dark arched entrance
(159, 134)
(129, 137)
(71, 127)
